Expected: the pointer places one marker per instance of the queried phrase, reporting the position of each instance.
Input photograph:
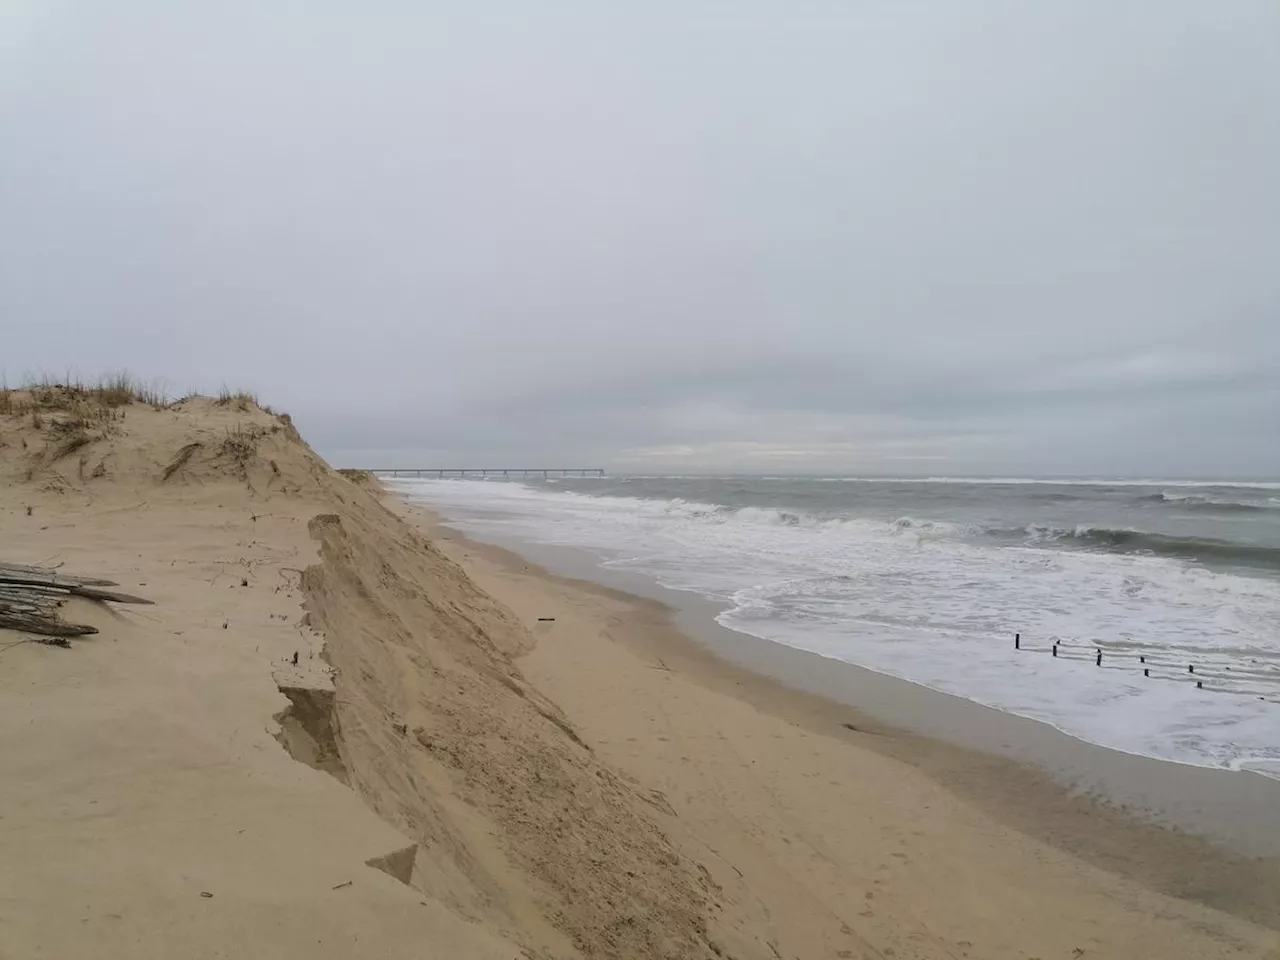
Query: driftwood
(30, 598)
(17, 602)
(47, 626)
(49, 575)
(67, 587)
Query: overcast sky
(864, 236)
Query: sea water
(1175, 583)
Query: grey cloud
(1005, 237)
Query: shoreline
(1121, 643)
(1191, 832)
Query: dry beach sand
(333, 736)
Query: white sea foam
(915, 599)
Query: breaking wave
(1193, 501)
(1109, 539)
(1159, 544)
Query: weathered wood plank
(30, 598)
(45, 626)
(51, 574)
(75, 589)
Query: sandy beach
(341, 731)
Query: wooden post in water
(1199, 684)
(1017, 641)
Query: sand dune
(328, 738)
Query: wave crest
(1159, 544)
(1196, 501)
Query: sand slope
(141, 769)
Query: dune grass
(241, 399)
(108, 392)
(86, 399)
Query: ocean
(1175, 583)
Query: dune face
(438, 730)
(332, 736)
(290, 608)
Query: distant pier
(443, 472)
